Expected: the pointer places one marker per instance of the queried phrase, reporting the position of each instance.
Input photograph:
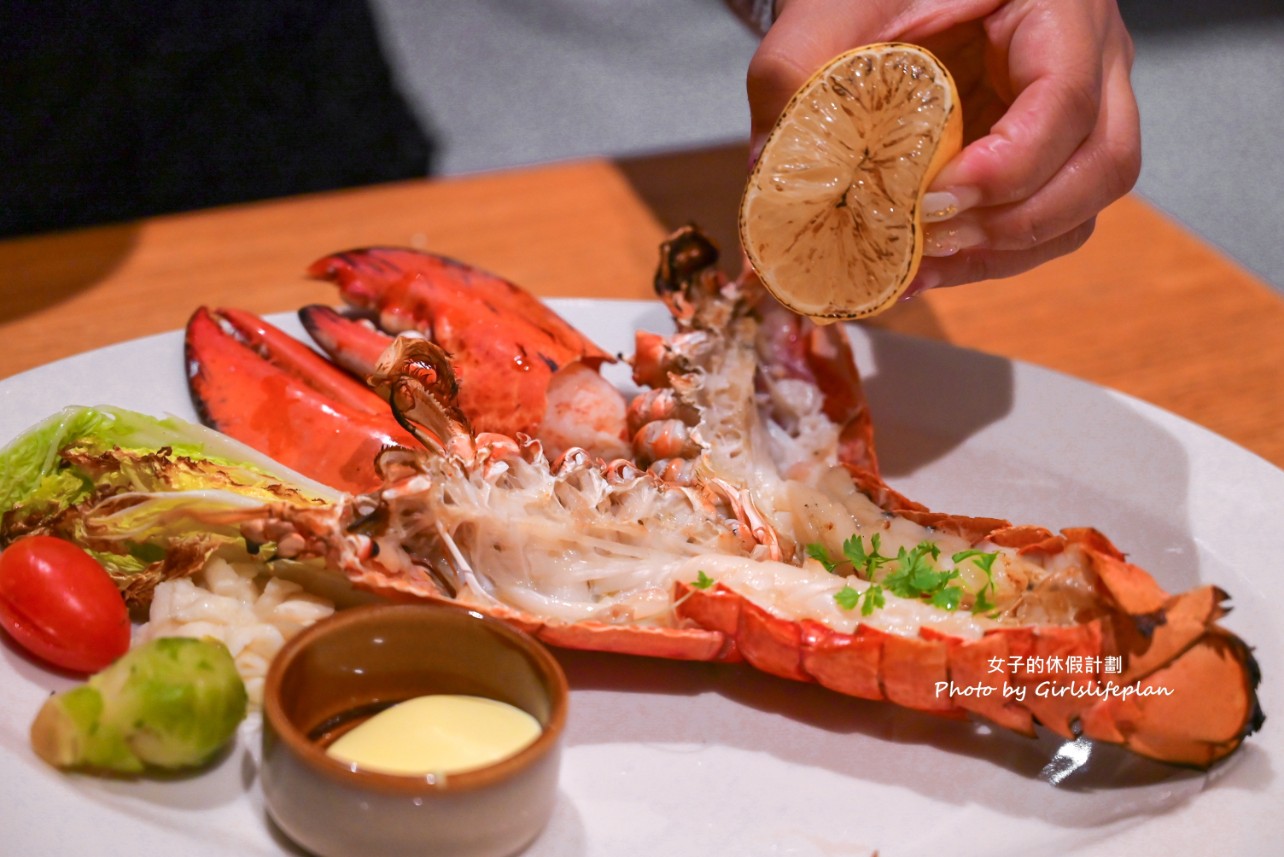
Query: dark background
(115, 110)
(119, 109)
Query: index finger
(1055, 68)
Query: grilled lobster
(734, 510)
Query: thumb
(806, 35)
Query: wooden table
(1144, 307)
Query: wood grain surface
(1144, 307)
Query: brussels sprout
(170, 703)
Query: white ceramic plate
(696, 759)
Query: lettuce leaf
(144, 495)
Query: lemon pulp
(830, 218)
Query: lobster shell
(1182, 690)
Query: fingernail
(922, 281)
(949, 238)
(941, 205)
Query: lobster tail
(747, 522)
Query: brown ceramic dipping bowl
(365, 658)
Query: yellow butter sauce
(437, 734)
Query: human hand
(1051, 131)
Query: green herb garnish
(817, 551)
(866, 561)
(702, 581)
(873, 599)
(869, 600)
(985, 562)
(916, 576)
(912, 574)
(947, 597)
(847, 598)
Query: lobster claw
(250, 380)
(505, 345)
(520, 368)
(353, 344)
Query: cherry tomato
(61, 605)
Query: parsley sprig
(985, 562)
(869, 600)
(866, 562)
(912, 574)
